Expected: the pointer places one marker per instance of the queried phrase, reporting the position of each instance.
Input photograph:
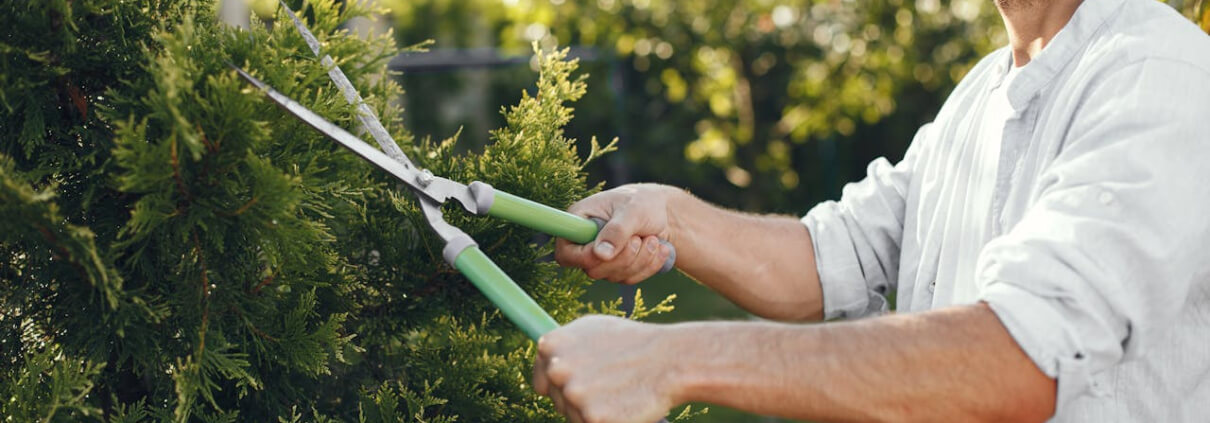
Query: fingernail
(635, 243)
(604, 249)
(652, 245)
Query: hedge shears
(432, 191)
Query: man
(1046, 238)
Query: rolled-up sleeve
(1103, 259)
(857, 239)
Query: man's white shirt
(970, 208)
(1072, 195)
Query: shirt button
(1105, 197)
(932, 286)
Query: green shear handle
(498, 287)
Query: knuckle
(635, 245)
(558, 371)
(652, 244)
(594, 204)
(577, 208)
(624, 259)
(549, 344)
(544, 345)
(583, 205)
(575, 393)
(627, 223)
(561, 257)
(570, 255)
(620, 225)
(596, 273)
(567, 258)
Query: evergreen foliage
(173, 247)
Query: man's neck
(1033, 23)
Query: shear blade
(405, 172)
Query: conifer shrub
(174, 247)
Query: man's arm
(765, 264)
(839, 261)
(762, 263)
(955, 364)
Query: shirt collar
(1089, 17)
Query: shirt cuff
(1040, 330)
(845, 294)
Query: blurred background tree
(761, 105)
(767, 105)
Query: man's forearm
(957, 364)
(765, 264)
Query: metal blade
(404, 171)
(364, 114)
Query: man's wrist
(725, 363)
(681, 360)
(704, 361)
(676, 202)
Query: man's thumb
(613, 234)
(604, 250)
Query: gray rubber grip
(668, 264)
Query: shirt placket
(1014, 143)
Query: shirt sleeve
(857, 239)
(1105, 257)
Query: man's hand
(628, 249)
(765, 264)
(603, 369)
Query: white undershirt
(976, 213)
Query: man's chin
(1015, 4)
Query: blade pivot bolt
(424, 178)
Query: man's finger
(616, 269)
(557, 372)
(569, 254)
(654, 261)
(560, 404)
(541, 383)
(648, 248)
(574, 415)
